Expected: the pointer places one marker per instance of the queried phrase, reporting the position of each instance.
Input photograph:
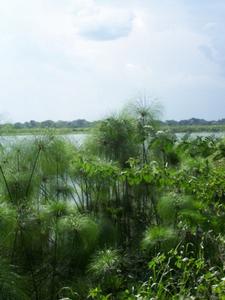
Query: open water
(79, 138)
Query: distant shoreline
(194, 128)
(40, 131)
(66, 131)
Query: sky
(71, 59)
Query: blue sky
(87, 58)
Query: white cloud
(104, 24)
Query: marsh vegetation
(130, 214)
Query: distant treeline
(194, 121)
(82, 123)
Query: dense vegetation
(33, 127)
(195, 128)
(195, 121)
(80, 123)
(131, 214)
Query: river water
(79, 138)
(12, 139)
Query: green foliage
(8, 224)
(105, 269)
(11, 284)
(159, 236)
(115, 139)
(177, 274)
(105, 262)
(65, 210)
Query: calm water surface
(79, 138)
(12, 139)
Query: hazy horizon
(4, 121)
(84, 59)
